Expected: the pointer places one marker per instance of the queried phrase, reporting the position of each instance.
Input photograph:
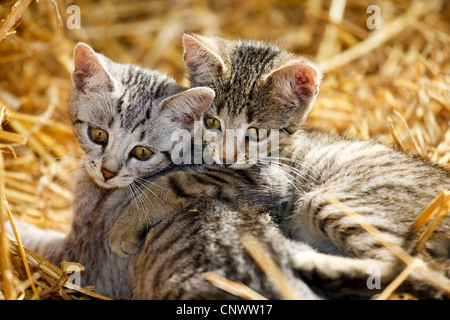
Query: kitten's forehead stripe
(249, 61)
(250, 115)
(139, 124)
(142, 92)
(254, 58)
(120, 102)
(157, 90)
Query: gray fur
(171, 264)
(388, 187)
(135, 106)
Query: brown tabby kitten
(256, 83)
(179, 250)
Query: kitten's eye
(98, 135)
(141, 153)
(212, 123)
(257, 134)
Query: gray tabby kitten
(257, 83)
(123, 118)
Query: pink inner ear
(200, 61)
(194, 54)
(305, 81)
(86, 62)
(89, 73)
(83, 59)
(189, 50)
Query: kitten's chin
(105, 185)
(108, 184)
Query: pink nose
(108, 174)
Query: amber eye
(98, 135)
(212, 123)
(257, 134)
(141, 153)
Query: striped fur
(171, 263)
(135, 107)
(388, 187)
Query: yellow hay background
(392, 84)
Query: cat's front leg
(344, 277)
(348, 277)
(157, 200)
(329, 229)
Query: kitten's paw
(123, 243)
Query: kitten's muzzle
(108, 174)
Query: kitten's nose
(108, 174)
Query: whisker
(296, 170)
(139, 202)
(293, 178)
(144, 182)
(140, 194)
(268, 178)
(132, 193)
(302, 174)
(146, 187)
(297, 161)
(147, 217)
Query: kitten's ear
(89, 73)
(296, 84)
(185, 107)
(201, 59)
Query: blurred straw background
(391, 84)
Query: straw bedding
(392, 84)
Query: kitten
(257, 84)
(123, 117)
(389, 188)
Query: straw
(235, 288)
(412, 263)
(272, 271)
